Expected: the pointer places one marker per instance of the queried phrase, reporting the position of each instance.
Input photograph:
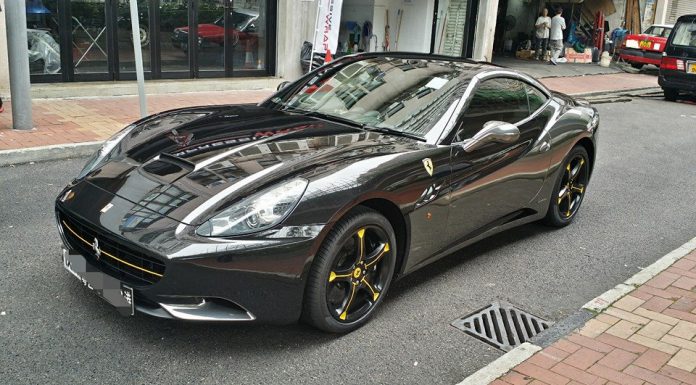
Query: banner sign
(328, 23)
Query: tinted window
(408, 95)
(685, 34)
(500, 99)
(536, 98)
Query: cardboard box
(525, 54)
(577, 57)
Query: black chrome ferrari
(310, 204)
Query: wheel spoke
(570, 203)
(379, 254)
(562, 193)
(340, 275)
(375, 293)
(361, 247)
(578, 188)
(576, 170)
(353, 289)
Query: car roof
(686, 17)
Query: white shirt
(543, 31)
(557, 27)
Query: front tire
(570, 188)
(637, 66)
(351, 273)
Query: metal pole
(139, 74)
(18, 52)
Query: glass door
(172, 37)
(126, 59)
(210, 30)
(90, 51)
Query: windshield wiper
(364, 126)
(391, 131)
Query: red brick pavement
(646, 337)
(61, 121)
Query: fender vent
(502, 325)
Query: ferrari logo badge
(428, 164)
(106, 208)
(95, 247)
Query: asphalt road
(640, 205)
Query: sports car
(310, 204)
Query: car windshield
(405, 95)
(685, 34)
(658, 31)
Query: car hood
(175, 162)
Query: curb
(502, 365)
(45, 153)
(516, 356)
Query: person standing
(542, 25)
(556, 37)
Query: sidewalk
(70, 121)
(648, 336)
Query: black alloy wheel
(570, 188)
(351, 273)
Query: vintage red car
(647, 47)
(243, 29)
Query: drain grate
(502, 325)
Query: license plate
(691, 68)
(105, 286)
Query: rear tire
(569, 189)
(671, 94)
(351, 272)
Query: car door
(496, 182)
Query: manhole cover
(502, 325)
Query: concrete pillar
(295, 25)
(18, 55)
(485, 30)
(661, 11)
(4, 68)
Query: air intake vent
(502, 325)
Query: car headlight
(257, 212)
(105, 151)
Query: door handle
(545, 146)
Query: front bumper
(203, 279)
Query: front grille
(115, 258)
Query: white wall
(416, 24)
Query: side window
(536, 98)
(499, 99)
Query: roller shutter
(451, 40)
(678, 8)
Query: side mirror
(282, 85)
(492, 132)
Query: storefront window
(173, 32)
(43, 37)
(228, 38)
(211, 35)
(126, 57)
(89, 36)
